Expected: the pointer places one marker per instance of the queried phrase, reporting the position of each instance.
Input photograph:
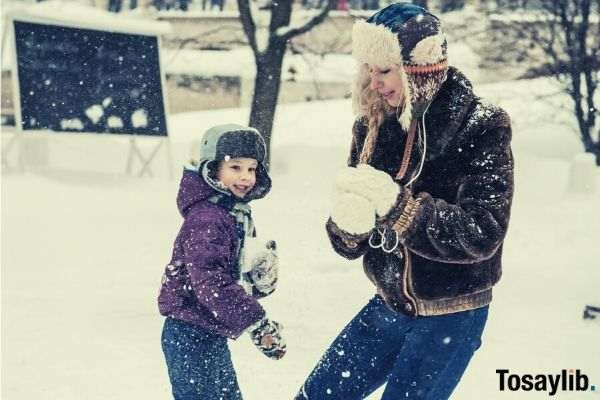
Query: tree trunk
(266, 91)
(269, 61)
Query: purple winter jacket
(199, 285)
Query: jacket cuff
(349, 240)
(403, 213)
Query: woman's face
(388, 83)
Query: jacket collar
(447, 112)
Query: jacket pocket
(386, 271)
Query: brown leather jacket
(450, 222)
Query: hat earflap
(405, 116)
(377, 45)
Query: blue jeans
(418, 358)
(199, 363)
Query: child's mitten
(266, 336)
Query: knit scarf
(244, 224)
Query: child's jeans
(418, 358)
(199, 363)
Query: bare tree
(269, 47)
(573, 48)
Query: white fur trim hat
(409, 36)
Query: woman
(426, 202)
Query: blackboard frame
(135, 153)
(88, 26)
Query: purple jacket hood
(192, 190)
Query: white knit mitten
(374, 185)
(352, 213)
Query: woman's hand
(376, 186)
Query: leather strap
(410, 140)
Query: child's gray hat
(223, 142)
(232, 140)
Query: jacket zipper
(407, 280)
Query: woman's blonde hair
(369, 104)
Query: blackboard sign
(85, 80)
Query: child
(202, 293)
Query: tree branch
(314, 21)
(281, 14)
(248, 23)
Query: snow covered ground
(83, 248)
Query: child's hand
(266, 336)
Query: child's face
(238, 175)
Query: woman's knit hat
(411, 37)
